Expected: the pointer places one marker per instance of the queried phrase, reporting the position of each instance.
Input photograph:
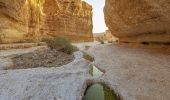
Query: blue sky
(98, 16)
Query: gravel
(41, 58)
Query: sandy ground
(136, 74)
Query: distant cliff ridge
(30, 20)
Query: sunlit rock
(19, 20)
(139, 20)
(68, 18)
(31, 20)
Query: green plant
(102, 42)
(87, 47)
(88, 57)
(61, 44)
(110, 41)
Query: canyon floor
(51, 83)
(134, 73)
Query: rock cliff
(19, 20)
(68, 18)
(30, 20)
(139, 20)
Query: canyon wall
(31, 20)
(139, 21)
(68, 18)
(19, 20)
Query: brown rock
(139, 20)
(35, 20)
(68, 18)
(19, 19)
(12, 20)
(22, 20)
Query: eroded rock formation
(68, 18)
(30, 20)
(139, 20)
(19, 20)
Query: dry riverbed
(41, 58)
(133, 73)
(51, 83)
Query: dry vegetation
(60, 44)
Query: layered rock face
(12, 20)
(19, 20)
(68, 18)
(35, 20)
(139, 20)
(30, 20)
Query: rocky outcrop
(139, 20)
(68, 18)
(12, 20)
(30, 20)
(19, 20)
(35, 20)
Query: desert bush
(61, 44)
(87, 47)
(110, 41)
(101, 42)
(88, 57)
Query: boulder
(139, 21)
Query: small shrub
(117, 41)
(61, 44)
(88, 57)
(145, 43)
(110, 41)
(101, 42)
(87, 47)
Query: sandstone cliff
(30, 20)
(12, 20)
(19, 20)
(68, 18)
(139, 20)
